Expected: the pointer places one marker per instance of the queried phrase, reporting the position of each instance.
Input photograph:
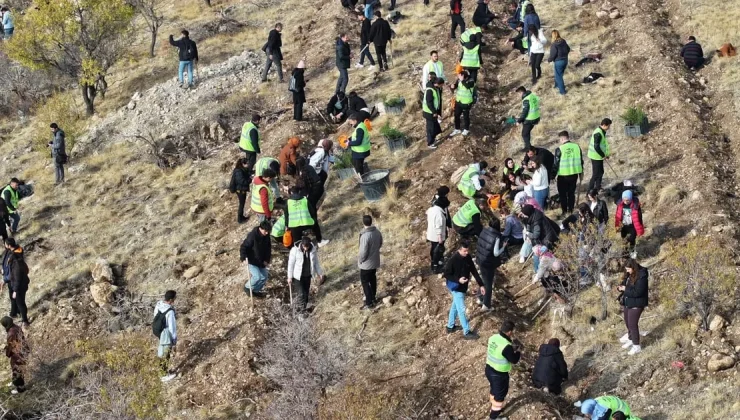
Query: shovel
(249, 281)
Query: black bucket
(375, 183)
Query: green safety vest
(465, 36)
(534, 107)
(466, 186)
(435, 95)
(470, 57)
(604, 145)
(298, 214)
(13, 198)
(431, 66)
(495, 358)
(506, 169)
(525, 42)
(614, 404)
(278, 229)
(464, 95)
(245, 143)
(464, 216)
(256, 203)
(524, 10)
(365, 146)
(570, 160)
(262, 164)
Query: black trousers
(242, 197)
(305, 286)
(487, 274)
(315, 195)
(4, 229)
(359, 165)
(567, 186)
(17, 375)
(436, 256)
(469, 230)
(18, 305)
(297, 232)
(433, 129)
(251, 158)
(457, 20)
(527, 133)
(499, 384)
(535, 62)
(369, 285)
(382, 58)
(473, 73)
(366, 53)
(462, 110)
(597, 173)
(297, 110)
(629, 234)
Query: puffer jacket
(296, 261)
(636, 295)
(550, 369)
(484, 251)
(288, 155)
(636, 216)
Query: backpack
(189, 51)
(457, 175)
(160, 322)
(291, 85)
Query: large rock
(101, 271)
(717, 323)
(192, 272)
(719, 362)
(102, 293)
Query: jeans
(382, 57)
(189, 65)
(597, 173)
(369, 283)
(16, 220)
(268, 64)
(463, 111)
(457, 20)
(457, 310)
(242, 196)
(366, 53)
(632, 321)
(526, 249)
(487, 275)
(541, 197)
(258, 278)
(369, 12)
(343, 80)
(559, 67)
(59, 172)
(8, 33)
(535, 62)
(18, 305)
(567, 185)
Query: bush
(633, 115)
(700, 279)
(394, 101)
(343, 160)
(357, 402)
(63, 109)
(391, 133)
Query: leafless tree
(150, 11)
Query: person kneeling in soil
(550, 370)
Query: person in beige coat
(437, 225)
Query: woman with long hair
(634, 299)
(537, 41)
(559, 51)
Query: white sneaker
(168, 378)
(454, 133)
(465, 133)
(359, 66)
(485, 308)
(14, 392)
(634, 350)
(432, 146)
(521, 260)
(323, 243)
(371, 67)
(625, 338)
(627, 344)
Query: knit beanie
(627, 195)
(6, 322)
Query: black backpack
(190, 51)
(160, 322)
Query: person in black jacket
(273, 53)
(559, 50)
(338, 107)
(579, 222)
(483, 15)
(188, 55)
(380, 35)
(309, 182)
(693, 55)
(4, 219)
(256, 253)
(355, 104)
(457, 273)
(15, 270)
(598, 208)
(299, 93)
(488, 256)
(344, 57)
(240, 182)
(540, 229)
(634, 300)
(365, 43)
(433, 103)
(550, 369)
(542, 155)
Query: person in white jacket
(540, 183)
(303, 265)
(168, 337)
(321, 158)
(537, 41)
(437, 225)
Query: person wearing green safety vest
(465, 93)
(300, 217)
(568, 166)
(269, 163)
(278, 230)
(470, 182)
(602, 408)
(359, 143)
(263, 200)
(470, 55)
(249, 141)
(11, 197)
(467, 220)
(523, 9)
(519, 42)
(501, 355)
(431, 108)
(530, 115)
(598, 150)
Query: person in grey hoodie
(368, 260)
(58, 152)
(168, 337)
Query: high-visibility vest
(437, 68)
(465, 36)
(464, 95)
(13, 198)
(262, 164)
(464, 216)
(570, 160)
(365, 146)
(515, 170)
(245, 143)
(278, 229)
(298, 214)
(614, 404)
(495, 357)
(466, 186)
(435, 96)
(603, 145)
(534, 107)
(256, 203)
(525, 3)
(470, 57)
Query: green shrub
(343, 160)
(634, 115)
(391, 133)
(394, 101)
(63, 109)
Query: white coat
(295, 262)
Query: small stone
(719, 362)
(197, 208)
(717, 323)
(582, 2)
(696, 196)
(388, 301)
(411, 301)
(614, 14)
(192, 272)
(408, 289)
(601, 14)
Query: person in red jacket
(628, 220)
(263, 200)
